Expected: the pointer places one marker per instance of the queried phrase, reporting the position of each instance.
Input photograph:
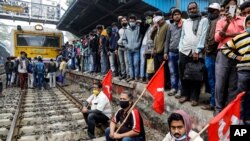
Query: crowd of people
(211, 50)
(194, 49)
(31, 73)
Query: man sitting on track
(100, 112)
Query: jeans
(30, 80)
(133, 60)
(107, 132)
(243, 85)
(40, 77)
(112, 61)
(90, 58)
(8, 79)
(142, 63)
(210, 66)
(92, 118)
(104, 63)
(123, 59)
(173, 59)
(226, 80)
(52, 79)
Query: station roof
(83, 15)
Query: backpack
(40, 68)
(30, 68)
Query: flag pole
(202, 130)
(130, 110)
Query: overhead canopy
(83, 15)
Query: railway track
(48, 115)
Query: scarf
(196, 18)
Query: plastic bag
(150, 65)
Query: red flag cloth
(219, 126)
(156, 89)
(107, 85)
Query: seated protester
(133, 129)
(101, 110)
(180, 126)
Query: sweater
(159, 37)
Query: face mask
(248, 29)
(124, 24)
(22, 56)
(132, 24)
(114, 29)
(95, 92)
(124, 104)
(212, 16)
(180, 138)
(149, 21)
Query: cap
(214, 6)
(157, 19)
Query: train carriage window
(37, 40)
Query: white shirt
(101, 103)
(22, 68)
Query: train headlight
(39, 27)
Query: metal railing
(30, 11)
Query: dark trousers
(158, 59)
(243, 84)
(22, 80)
(96, 61)
(92, 119)
(226, 80)
(190, 89)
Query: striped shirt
(239, 46)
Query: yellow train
(36, 41)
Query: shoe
(194, 103)
(178, 95)
(208, 107)
(136, 79)
(122, 77)
(172, 92)
(130, 79)
(183, 99)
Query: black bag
(194, 71)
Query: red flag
(219, 126)
(107, 85)
(156, 89)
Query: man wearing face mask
(238, 49)
(132, 42)
(122, 53)
(112, 49)
(226, 73)
(133, 129)
(146, 47)
(211, 51)
(180, 126)
(100, 111)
